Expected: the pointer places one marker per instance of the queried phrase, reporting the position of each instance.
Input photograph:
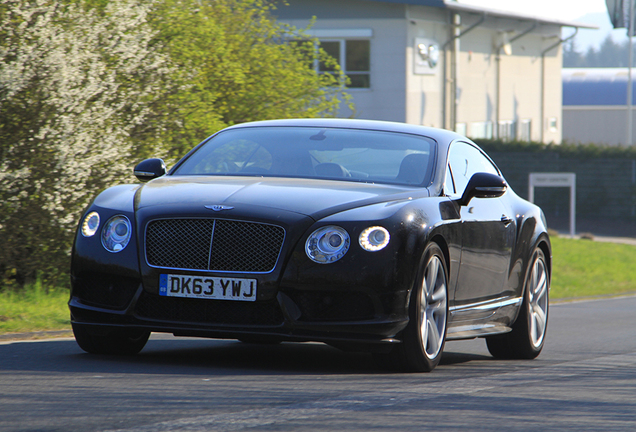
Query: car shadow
(201, 357)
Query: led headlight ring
(374, 238)
(90, 224)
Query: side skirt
(483, 318)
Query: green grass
(33, 309)
(584, 268)
(581, 268)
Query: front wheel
(424, 337)
(113, 342)
(526, 339)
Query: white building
(444, 64)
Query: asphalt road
(585, 379)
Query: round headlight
(116, 233)
(327, 244)
(374, 238)
(90, 224)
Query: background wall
(424, 91)
(605, 184)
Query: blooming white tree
(78, 88)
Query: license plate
(213, 288)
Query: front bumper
(294, 315)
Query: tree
(236, 63)
(609, 54)
(571, 56)
(77, 88)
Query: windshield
(309, 152)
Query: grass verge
(33, 309)
(584, 268)
(581, 268)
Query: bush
(570, 150)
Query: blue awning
(596, 86)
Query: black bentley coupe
(376, 236)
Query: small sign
(556, 180)
(553, 179)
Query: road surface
(585, 379)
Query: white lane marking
(368, 401)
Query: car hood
(310, 197)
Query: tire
(526, 339)
(424, 337)
(110, 342)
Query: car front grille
(185, 310)
(213, 244)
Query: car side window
(464, 160)
(449, 184)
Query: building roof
(459, 7)
(596, 86)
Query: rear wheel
(114, 342)
(424, 337)
(525, 341)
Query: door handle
(506, 220)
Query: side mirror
(483, 185)
(150, 169)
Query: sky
(592, 12)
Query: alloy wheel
(433, 308)
(538, 301)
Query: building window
(481, 130)
(507, 130)
(525, 130)
(353, 56)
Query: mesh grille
(236, 246)
(185, 310)
(179, 243)
(245, 247)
